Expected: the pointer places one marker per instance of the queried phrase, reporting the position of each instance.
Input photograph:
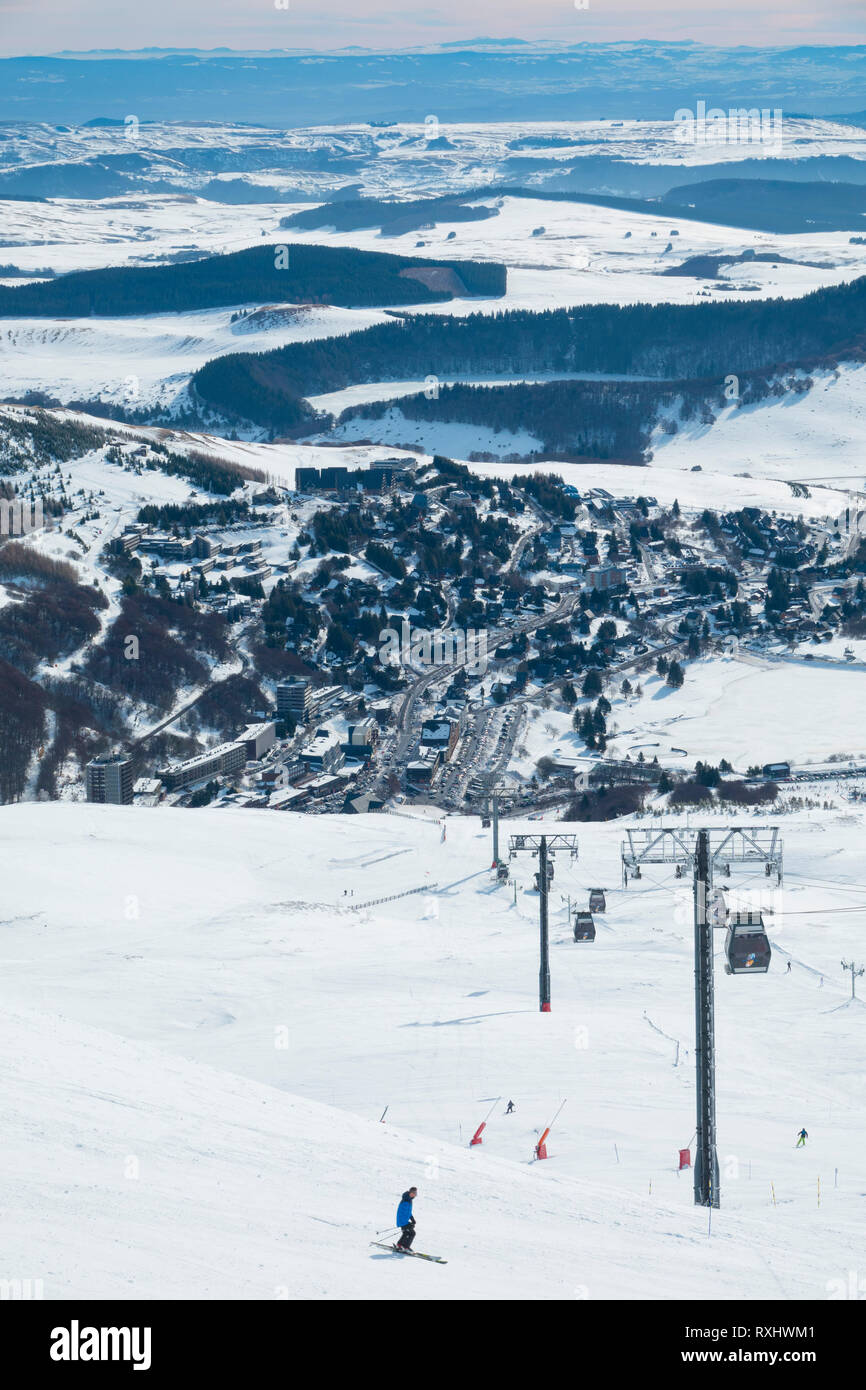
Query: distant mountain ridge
(486, 82)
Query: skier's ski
(416, 1254)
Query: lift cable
(810, 912)
(829, 883)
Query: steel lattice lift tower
(706, 1157)
(545, 848)
(702, 850)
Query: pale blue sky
(48, 26)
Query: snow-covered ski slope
(805, 437)
(201, 1035)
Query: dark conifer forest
(261, 274)
(689, 350)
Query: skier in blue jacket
(406, 1220)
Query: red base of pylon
(476, 1138)
(685, 1158)
(541, 1151)
(545, 1008)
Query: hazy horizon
(258, 25)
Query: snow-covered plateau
(583, 254)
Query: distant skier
(801, 1139)
(789, 968)
(510, 1107)
(405, 1219)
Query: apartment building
(220, 761)
(109, 779)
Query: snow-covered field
(816, 435)
(455, 440)
(79, 234)
(749, 453)
(336, 401)
(706, 488)
(202, 1033)
(583, 255)
(146, 360)
(749, 711)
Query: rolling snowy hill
(203, 1031)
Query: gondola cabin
(584, 926)
(597, 901)
(537, 877)
(747, 948)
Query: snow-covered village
(432, 655)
